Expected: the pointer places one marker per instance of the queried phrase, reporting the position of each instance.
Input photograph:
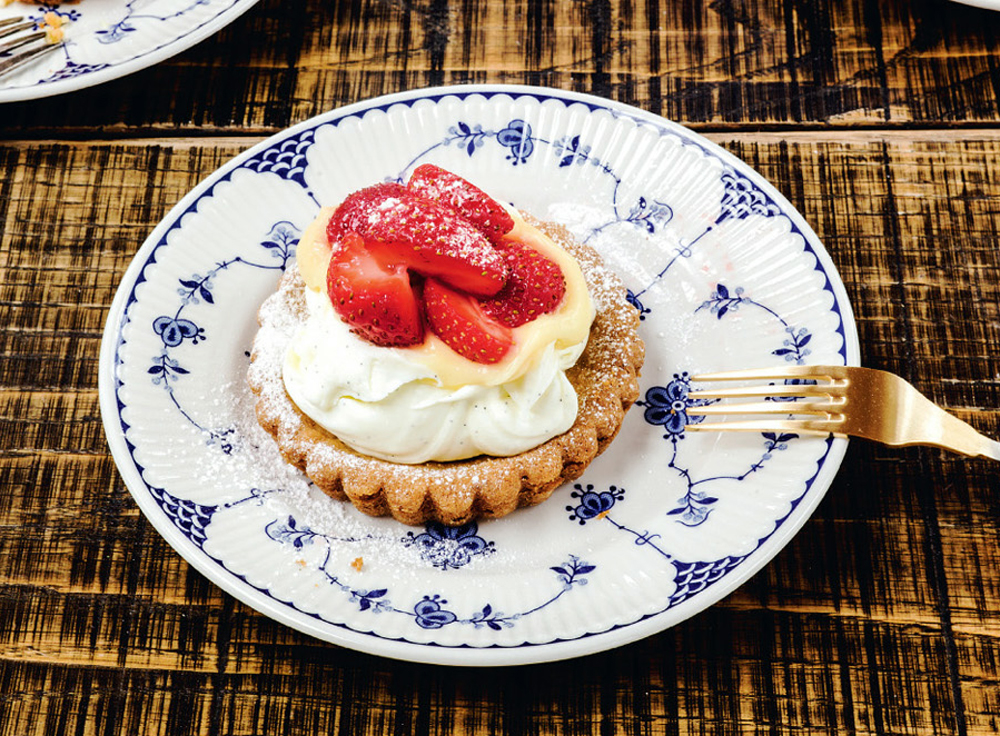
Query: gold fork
(839, 400)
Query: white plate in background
(107, 39)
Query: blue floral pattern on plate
(498, 591)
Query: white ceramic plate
(986, 4)
(724, 272)
(107, 39)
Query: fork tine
(818, 372)
(25, 53)
(20, 41)
(738, 392)
(798, 426)
(769, 407)
(15, 25)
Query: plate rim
(463, 654)
(160, 53)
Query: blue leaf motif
(288, 532)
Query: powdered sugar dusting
(605, 380)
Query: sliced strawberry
(458, 320)
(534, 287)
(425, 235)
(376, 299)
(465, 198)
(354, 213)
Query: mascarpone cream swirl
(383, 403)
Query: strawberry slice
(534, 287)
(460, 323)
(422, 234)
(354, 213)
(465, 198)
(375, 298)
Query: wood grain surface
(706, 63)
(878, 120)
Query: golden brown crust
(605, 378)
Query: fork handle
(952, 433)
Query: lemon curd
(563, 330)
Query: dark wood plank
(881, 617)
(710, 64)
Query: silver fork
(24, 41)
(839, 400)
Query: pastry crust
(605, 378)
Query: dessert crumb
(358, 563)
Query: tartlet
(605, 378)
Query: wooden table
(878, 120)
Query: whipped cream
(382, 402)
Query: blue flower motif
(450, 547)
(430, 614)
(46, 8)
(593, 504)
(667, 406)
(517, 137)
(174, 330)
